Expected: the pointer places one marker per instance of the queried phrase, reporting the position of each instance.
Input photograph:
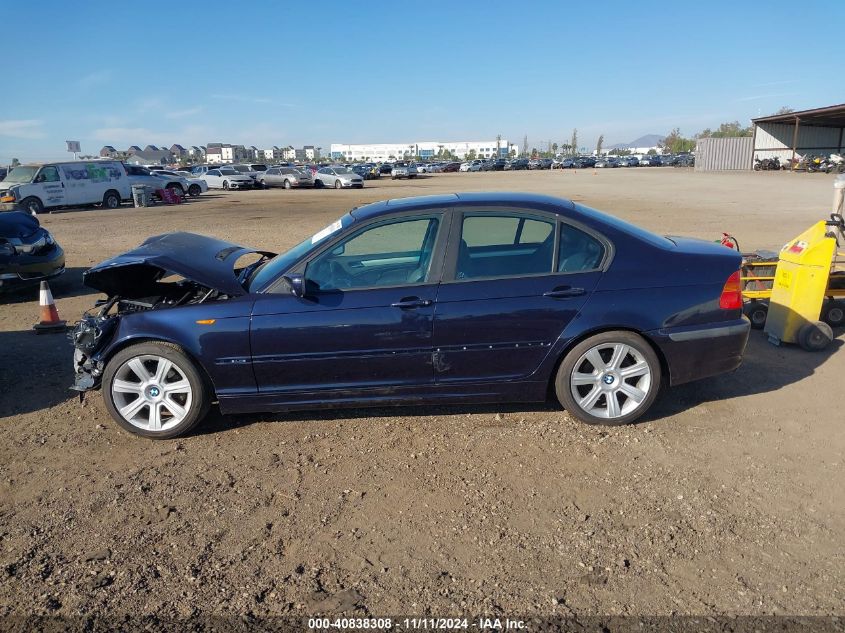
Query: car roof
(492, 199)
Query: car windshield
(259, 167)
(240, 168)
(271, 269)
(228, 171)
(21, 174)
(342, 170)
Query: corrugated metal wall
(712, 154)
(775, 139)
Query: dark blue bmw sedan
(483, 297)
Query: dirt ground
(727, 500)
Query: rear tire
(189, 400)
(815, 336)
(757, 313)
(175, 186)
(833, 313)
(111, 200)
(32, 205)
(611, 378)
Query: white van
(36, 188)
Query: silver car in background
(402, 169)
(287, 177)
(337, 177)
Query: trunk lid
(17, 224)
(204, 260)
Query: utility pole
(498, 145)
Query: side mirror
(297, 285)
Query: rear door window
(579, 251)
(504, 245)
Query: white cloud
(22, 128)
(247, 99)
(95, 78)
(768, 96)
(126, 134)
(120, 136)
(180, 114)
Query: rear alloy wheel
(611, 378)
(287, 184)
(194, 191)
(155, 390)
(338, 184)
(32, 205)
(175, 186)
(111, 200)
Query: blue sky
(278, 73)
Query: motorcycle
(767, 164)
(822, 164)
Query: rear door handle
(562, 293)
(412, 302)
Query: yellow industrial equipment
(800, 287)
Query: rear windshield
(259, 167)
(240, 168)
(21, 174)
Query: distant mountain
(649, 140)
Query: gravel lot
(727, 500)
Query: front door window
(393, 254)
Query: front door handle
(564, 292)
(412, 302)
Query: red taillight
(731, 298)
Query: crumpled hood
(17, 224)
(204, 260)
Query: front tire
(32, 205)
(286, 184)
(194, 191)
(338, 184)
(226, 185)
(155, 390)
(611, 378)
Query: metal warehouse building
(814, 132)
(787, 136)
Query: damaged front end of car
(167, 271)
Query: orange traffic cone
(50, 321)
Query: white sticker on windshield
(321, 235)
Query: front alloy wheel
(155, 390)
(611, 378)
